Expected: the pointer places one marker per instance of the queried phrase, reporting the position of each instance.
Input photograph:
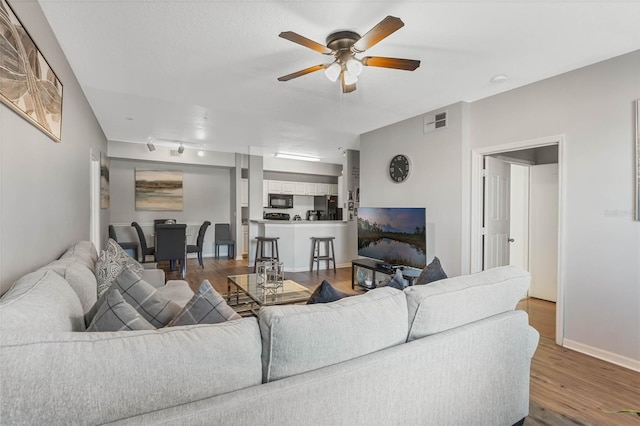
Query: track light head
(180, 149)
(151, 146)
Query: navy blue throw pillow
(397, 281)
(326, 293)
(432, 272)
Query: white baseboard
(622, 361)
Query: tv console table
(408, 273)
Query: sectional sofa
(454, 352)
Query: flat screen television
(393, 235)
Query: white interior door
(497, 188)
(519, 217)
(543, 231)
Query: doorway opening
(517, 214)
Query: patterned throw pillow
(206, 306)
(112, 260)
(115, 315)
(156, 308)
(432, 272)
(326, 293)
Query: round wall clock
(399, 168)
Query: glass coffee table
(250, 296)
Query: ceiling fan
(344, 46)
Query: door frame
(477, 157)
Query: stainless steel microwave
(281, 201)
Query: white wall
(435, 181)
(593, 108)
(44, 188)
(206, 197)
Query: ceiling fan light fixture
(354, 67)
(349, 78)
(333, 71)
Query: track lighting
(180, 149)
(151, 146)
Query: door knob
(510, 240)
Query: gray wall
(593, 108)
(44, 186)
(435, 181)
(207, 191)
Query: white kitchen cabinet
(288, 188)
(309, 189)
(322, 188)
(245, 240)
(299, 188)
(244, 192)
(275, 187)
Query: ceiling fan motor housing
(342, 40)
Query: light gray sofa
(454, 352)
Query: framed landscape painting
(159, 190)
(28, 85)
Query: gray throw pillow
(326, 293)
(112, 260)
(206, 306)
(116, 315)
(153, 306)
(432, 272)
(397, 281)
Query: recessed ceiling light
(500, 78)
(201, 153)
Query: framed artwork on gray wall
(105, 194)
(28, 85)
(159, 190)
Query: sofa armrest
(155, 277)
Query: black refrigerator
(327, 205)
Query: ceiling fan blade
(399, 64)
(303, 41)
(347, 88)
(383, 29)
(301, 72)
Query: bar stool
(330, 256)
(260, 256)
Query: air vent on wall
(435, 121)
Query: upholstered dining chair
(126, 246)
(223, 238)
(144, 249)
(197, 248)
(171, 244)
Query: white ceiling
(204, 71)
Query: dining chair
(144, 249)
(157, 222)
(126, 246)
(223, 238)
(171, 244)
(197, 248)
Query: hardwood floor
(562, 380)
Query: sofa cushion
(41, 301)
(206, 306)
(97, 378)
(79, 277)
(178, 291)
(117, 315)
(85, 251)
(432, 272)
(112, 260)
(153, 306)
(457, 301)
(299, 338)
(326, 293)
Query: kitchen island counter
(294, 241)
